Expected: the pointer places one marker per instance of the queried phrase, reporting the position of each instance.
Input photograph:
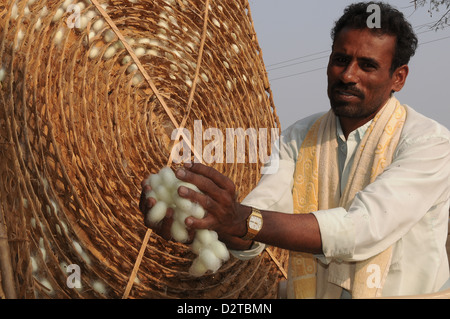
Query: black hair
(392, 22)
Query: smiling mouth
(347, 93)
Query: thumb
(203, 223)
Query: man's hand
(163, 228)
(223, 213)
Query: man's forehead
(365, 42)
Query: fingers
(203, 183)
(142, 202)
(204, 200)
(164, 226)
(212, 174)
(211, 183)
(146, 203)
(204, 223)
(218, 197)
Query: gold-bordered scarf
(316, 187)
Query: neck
(350, 124)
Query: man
(361, 196)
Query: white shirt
(406, 206)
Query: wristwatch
(254, 224)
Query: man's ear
(399, 77)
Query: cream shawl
(316, 187)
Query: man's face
(359, 78)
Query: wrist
(254, 224)
(235, 238)
(241, 221)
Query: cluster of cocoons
(45, 246)
(103, 40)
(105, 44)
(211, 252)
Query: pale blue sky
(291, 29)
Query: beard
(349, 110)
(358, 107)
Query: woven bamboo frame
(78, 134)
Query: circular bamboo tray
(85, 117)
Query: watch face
(255, 223)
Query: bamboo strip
(280, 267)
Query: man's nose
(350, 73)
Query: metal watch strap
(250, 232)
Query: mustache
(348, 88)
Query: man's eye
(368, 66)
(340, 60)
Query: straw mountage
(81, 127)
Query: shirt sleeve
(414, 184)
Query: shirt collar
(356, 134)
